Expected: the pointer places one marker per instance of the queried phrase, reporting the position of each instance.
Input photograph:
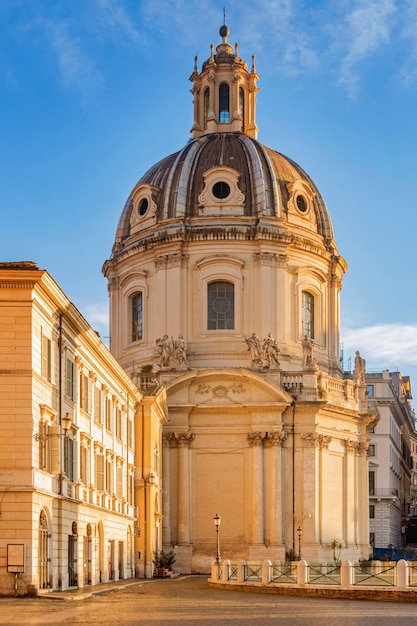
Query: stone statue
(180, 348)
(360, 368)
(271, 351)
(164, 349)
(309, 361)
(254, 345)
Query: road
(188, 601)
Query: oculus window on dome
(143, 206)
(301, 203)
(220, 305)
(221, 190)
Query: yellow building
(224, 280)
(68, 472)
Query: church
(224, 284)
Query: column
(363, 495)
(257, 513)
(166, 502)
(184, 442)
(350, 494)
(273, 443)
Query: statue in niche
(254, 345)
(270, 351)
(360, 369)
(309, 362)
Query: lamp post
(217, 521)
(66, 423)
(300, 532)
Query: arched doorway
(100, 531)
(44, 561)
(129, 553)
(73, 556)
(87, 555)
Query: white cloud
(409, 34)
(384, 345)
(365, 30)
(112, 14)
(76, 68)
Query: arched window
(137, 317)
(242, 106)
(224, 115)
(206, 105)
(307, 314)
(220, 305)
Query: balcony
(387, 493)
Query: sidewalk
(94, 590)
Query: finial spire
(224, 16)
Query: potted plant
(159, 563)
(163, 562)
(170, 559)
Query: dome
(263, 182)
(226, 238)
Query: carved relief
(363, 449)
(275, 438)
(351, 445)
(315, 440)
(166, 261)
(166, 440)
(256, 439)
(171, 353)
(220, 392)
(265, 355)
(271, 259)
(183, 439)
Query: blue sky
(93, 92)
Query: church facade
(224, 283)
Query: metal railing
(284, 572)
(401, 574)
(252, 572)
(375, 574)
(323, 574)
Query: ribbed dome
(265, 179)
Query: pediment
(225, 387)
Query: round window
(221, 190)
(301, 203)
(143, 206)
(221, 305)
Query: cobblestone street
(188, 601)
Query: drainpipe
(60, 400)
(145, 503)
(293, 476)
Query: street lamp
(300, 532)
(66, 423)
(43, 437)
(217, 521)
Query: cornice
(17, 284)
